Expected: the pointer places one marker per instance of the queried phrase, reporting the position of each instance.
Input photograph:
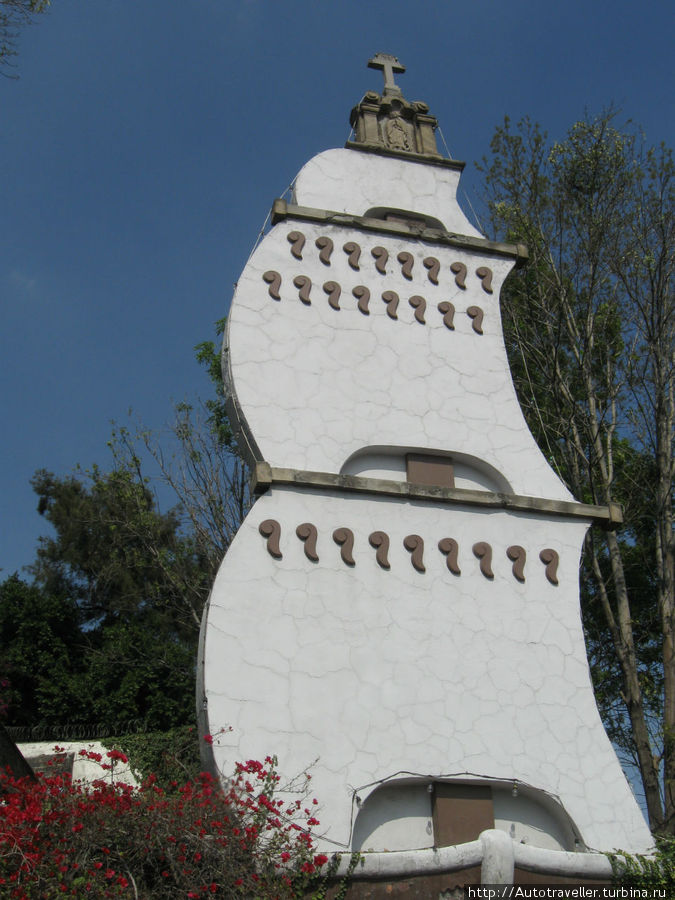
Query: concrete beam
(265, 476)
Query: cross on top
(388, 64)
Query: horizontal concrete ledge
(403, 863)
(562, 862)
(282, 210)
(264, 476)
(424, 158)
(414, 862)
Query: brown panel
(432, 470)
(461, 812)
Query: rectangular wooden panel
(461, 812)
(436, 471)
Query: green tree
(139, 585)
(590, 329)
(14, 14)
(42, 653)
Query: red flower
(320, 859)
(208, 739)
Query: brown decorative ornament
(485, 276)
(391, 299)
(414, 544)
(475, 313)
(458, 269)
(333, 289)
(433, 265)
(297, 241)
(450, 549)
(380, 256)
(325, 245)
(305, 286)
(362, 294)
(448, 311)
(406, 260)
(483, 552)
(354, 254)
(344, 537)
(380, 541)
(271, 530)
(274, 280)
(307, 534)
(517, 555)
(419, 304)
(550, 559)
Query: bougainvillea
(61, 838)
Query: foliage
(41, 658)
(138, 585)
(655, 872)
(59, 838)
(590, 330)
(13, 15)
(172, 756)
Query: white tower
(401, 604)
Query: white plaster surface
(84, 769)
(375, 672)
(316, 385)
(353, 182)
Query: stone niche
(414, 814)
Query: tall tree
(590, 329)
(139, 585)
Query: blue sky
(144, 143)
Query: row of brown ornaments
(362, 294)
(414, 544)
(380, 254)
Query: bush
(58, 838)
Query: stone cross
(388, 64)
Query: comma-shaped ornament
(379, 540)
(450, 549)
(391, 299)
(414, 544)
(448, 311)
(550, 559)
(362, 294)
(485, 276)
(274, 280)
(271, 530)
(475, 313)
(517, 555)
(419, 304)
(333, 289)
(297, 241)
(458, 269)
(406, 259)
(483, 552)
(354, 253)
(307, 533)
(325, 245)
(433, 266)
(380, 255)
(304, 285)
(344, 537)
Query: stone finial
(389, 122)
